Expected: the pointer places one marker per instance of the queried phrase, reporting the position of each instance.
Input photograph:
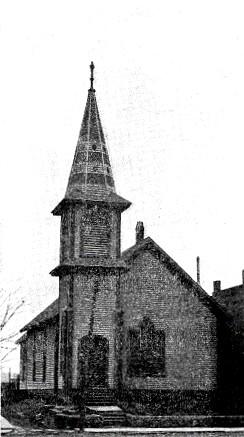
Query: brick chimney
(139, 232)
(216, 287)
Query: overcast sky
(170, 90)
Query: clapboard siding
(64, 286)
(82, 235)
(96, 243)
(104, 316)
(65, 232)
(95, 232)
(28, 383)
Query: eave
(114, 201)
(94, 264)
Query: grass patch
(25, 413)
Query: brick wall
(149, 289)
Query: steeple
(91, 172)
(91, 178)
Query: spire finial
(92, 78)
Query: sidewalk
(133, 432)
(165, 431)
(6, 427)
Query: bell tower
(90, 262)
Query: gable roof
(47, 314)
(149, 244)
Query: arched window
(146, 350)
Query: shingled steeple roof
(91, 177)
(91, 171)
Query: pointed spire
(91, 172)
(92, 66)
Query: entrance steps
(110, 416)
(101, 411)
(101, 402)
(101, 396)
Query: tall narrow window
(44, 355)
(44, 366)
(23, 360)
(63, 346)
(93, 308)
(64, 249)
(146, 350)
(34, 357)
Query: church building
(133, 324)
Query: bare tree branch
(7, 353)
(8, 312)
(8, 337)
(7, 318)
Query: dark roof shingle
(47, 314)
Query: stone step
(100, 401)
(100, 397)
(100, 391)
(110, 415)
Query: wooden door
(93, 361)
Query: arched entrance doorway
(93, 361)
